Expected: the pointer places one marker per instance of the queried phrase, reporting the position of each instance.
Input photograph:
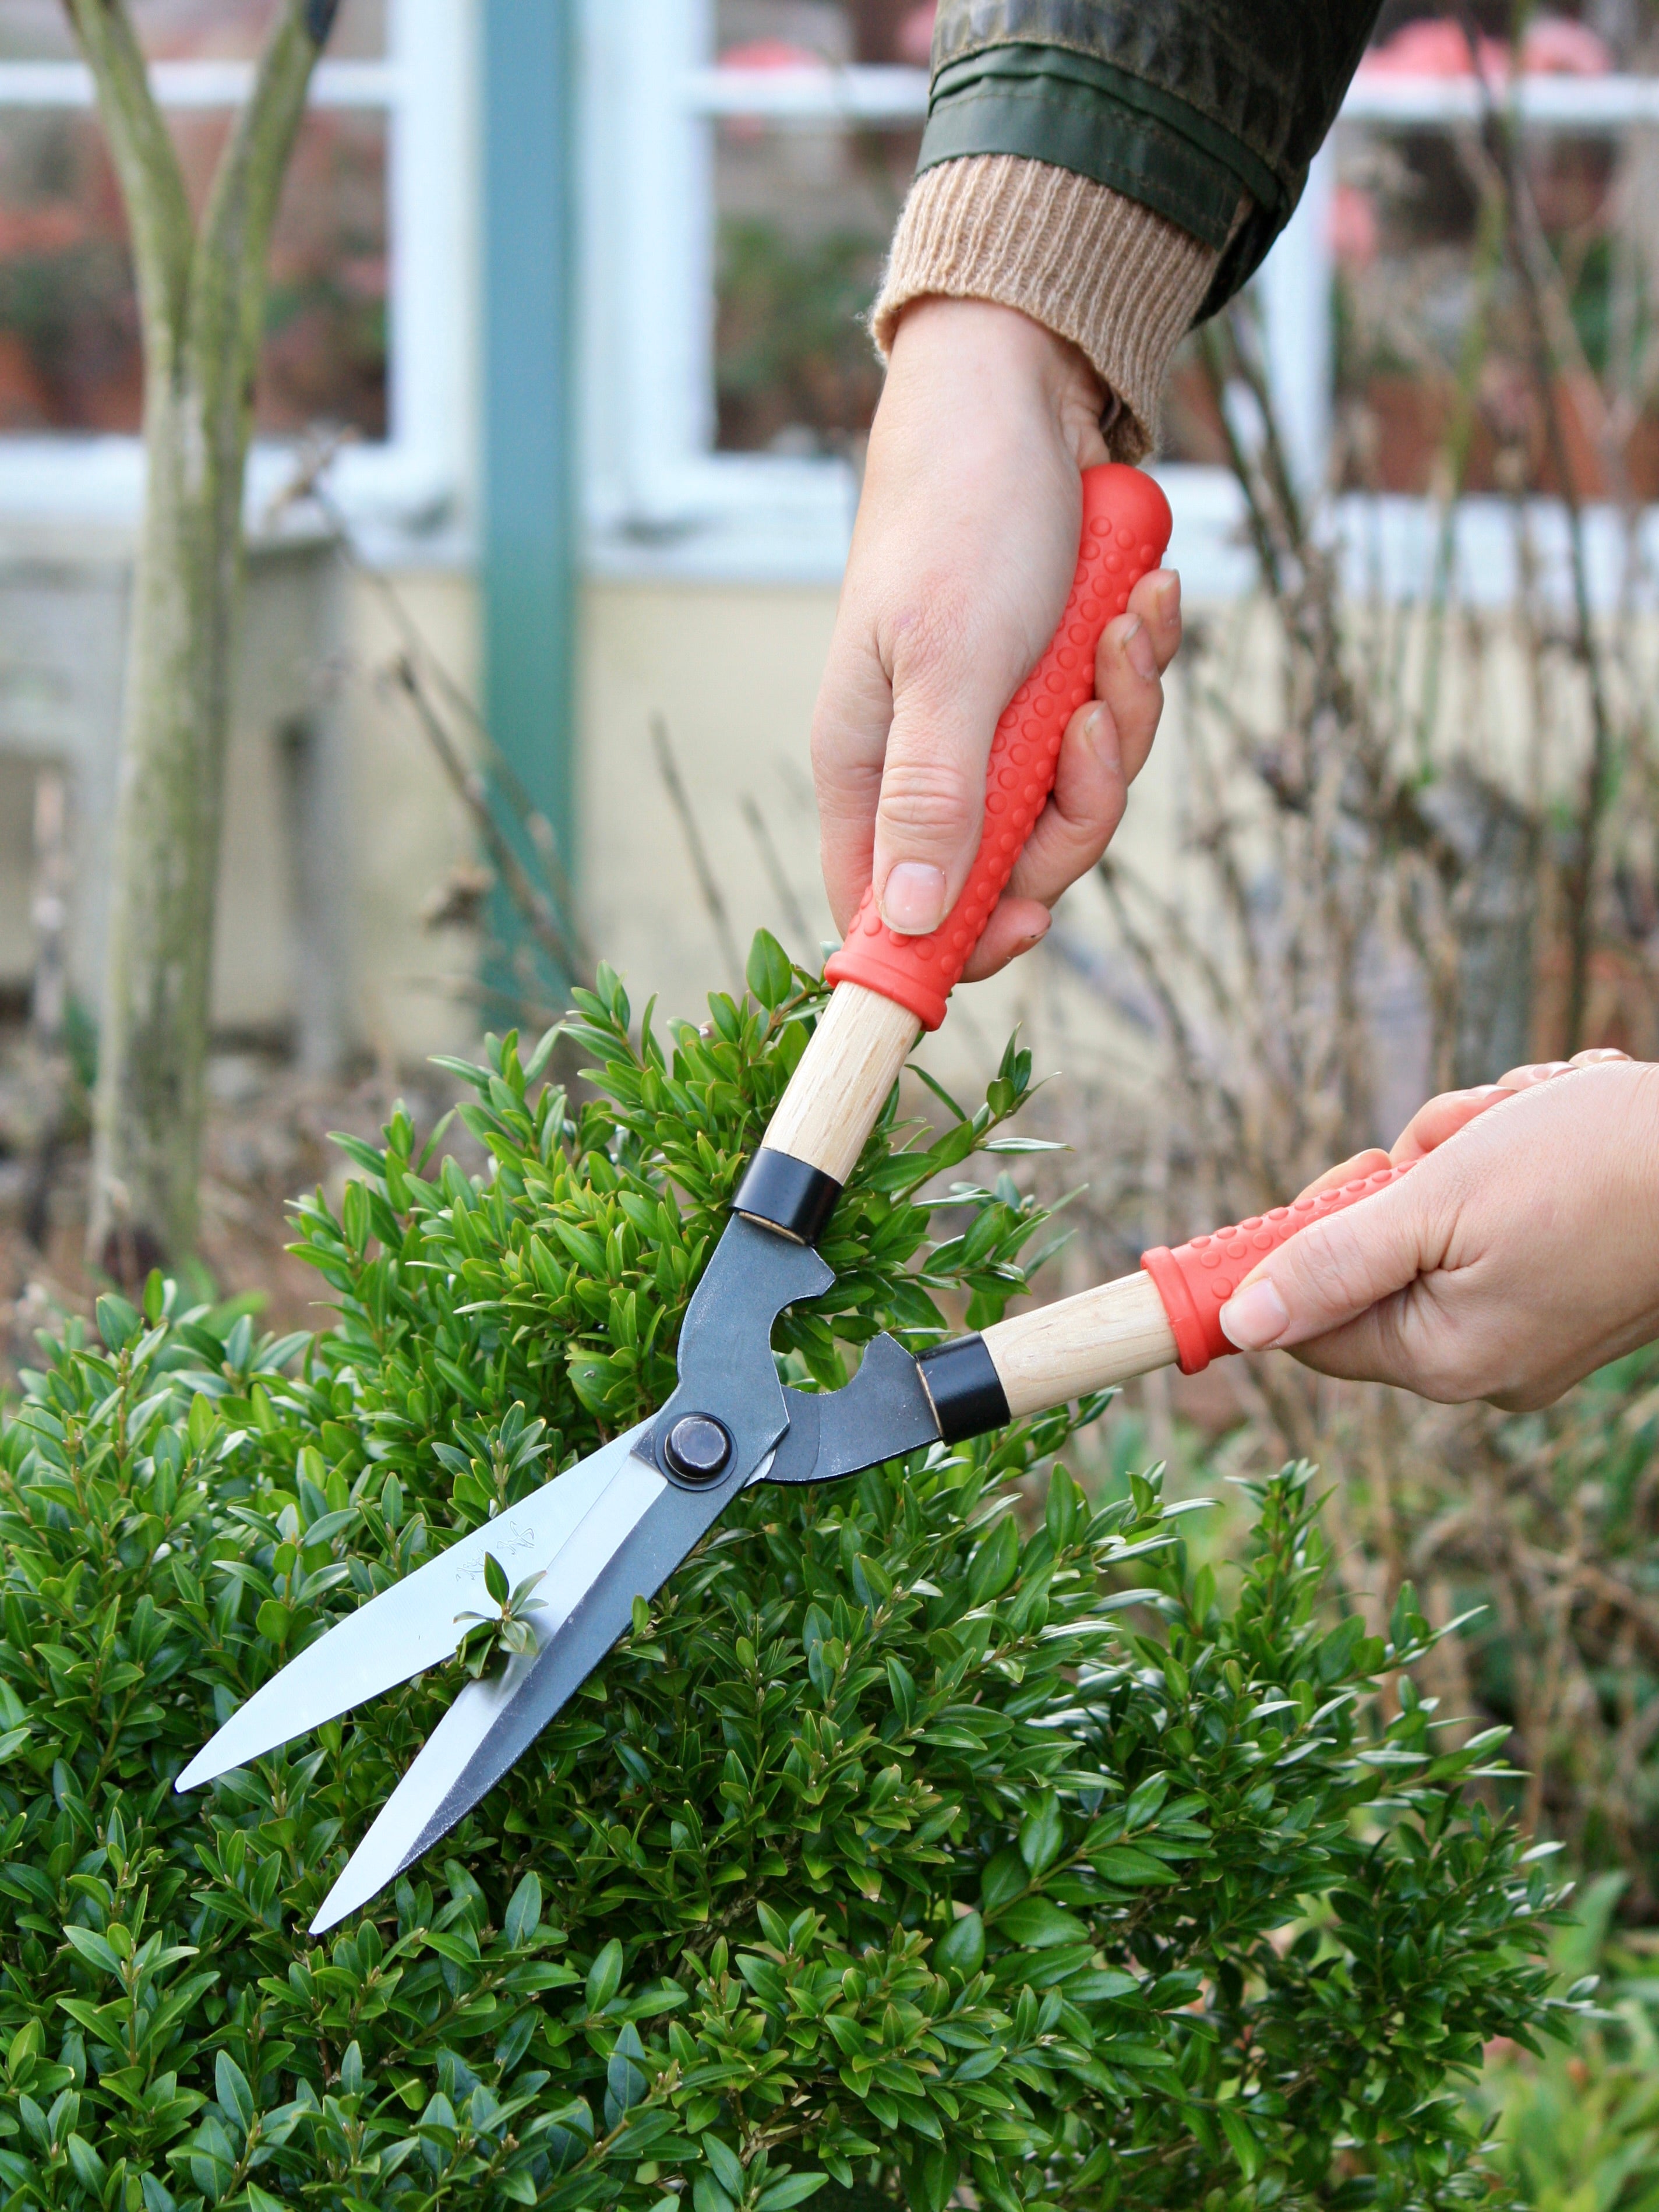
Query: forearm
(1116, 279)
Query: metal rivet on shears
(698, 1448)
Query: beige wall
(412, 986)
(731, 671)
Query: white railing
(199, 84)
(1578, 104)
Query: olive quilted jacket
(1192, 108)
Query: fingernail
(1101, 732)
(1036, 936)
(1255, 1318)
(1137, 650)
(1169, 595)
(912, 898)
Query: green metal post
(529, 496)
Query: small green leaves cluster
(491, 1638)
(936, 1832)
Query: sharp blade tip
(337, 1906)
(214, 1759)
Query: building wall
(727, 672)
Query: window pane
(1190, 428)
(1435, 354)
(183, 30)
(69, 335)
(806, 216)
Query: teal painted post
(529, 549)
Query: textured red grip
(1197, 1280)
(1126, 527)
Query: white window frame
(409, 494)
(661, 503)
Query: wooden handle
(1058, 1352)
(1168, 1313)
(851, 1062)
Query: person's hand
(1507, 1265)
(962, 554)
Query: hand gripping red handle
(1126, 527)
(1197, 1280)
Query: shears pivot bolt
(698, 1448)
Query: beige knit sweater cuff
(1096, 267)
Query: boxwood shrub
(941, 1831)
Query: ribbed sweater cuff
(1086, 262)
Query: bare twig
(782, 889)
(309, 485)
(572, 960)
(714, 904)
(1580, 884)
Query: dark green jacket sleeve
(1187, 106)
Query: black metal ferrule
(787, 1194)
(965, 1389)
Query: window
(744, 162)
(367, 319)
(742, 169)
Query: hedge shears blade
(613, 1528)
(410, 1626)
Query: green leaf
(1042, 1835)
(961, 1949)
(94, 1948)
(85, 2163)
(1245, 2148)
(605, 1977)
(995, 1564)
(496, 1581)
(792, 2189)
(1038, 1924)
(231, 2087)
(118, 1324)
(769, 972)
(524, 1912)
(726, 2165)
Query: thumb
(1333, 1271)
(932, 806)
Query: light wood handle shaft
(1062, 1352)
(851, 1062)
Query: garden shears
(613, 1528)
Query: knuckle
(1331, 1265)
(927, 796)
(931, 636)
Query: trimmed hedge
(943, 1827)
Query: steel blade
(412, 1625)
(631, 1541)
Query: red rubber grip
(1195, 1282)
(1126, 527)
